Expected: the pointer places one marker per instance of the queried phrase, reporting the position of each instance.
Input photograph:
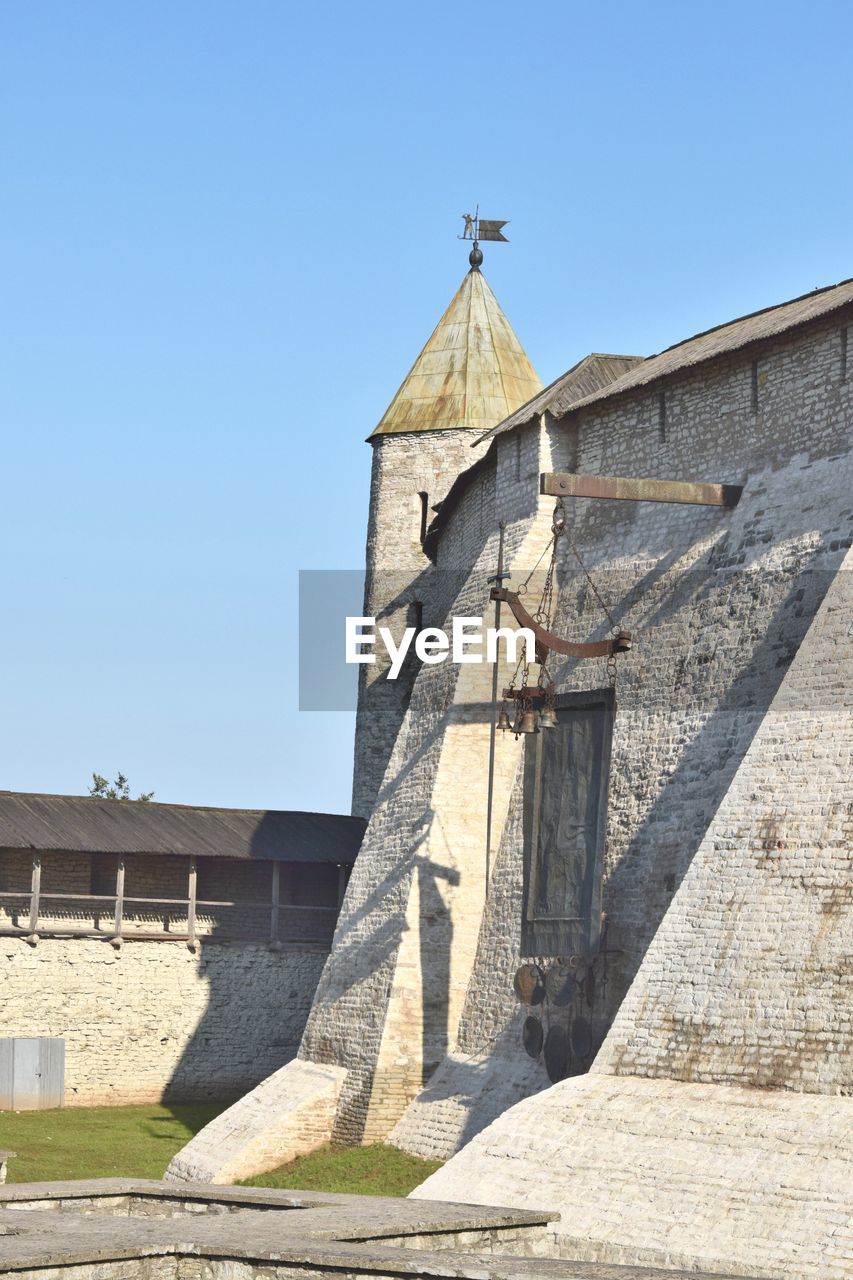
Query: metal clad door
(7, 1074)
(32, 1073)
(52, 1060)
(26, 1084)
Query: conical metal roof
(472, 372)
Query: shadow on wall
(260, 965)
(376, 927)
(436, 939)
(662, 848)
(725, 691)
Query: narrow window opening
(423, 499)
(517, 443)
(754, 387)
(662, 417)
(844, 342)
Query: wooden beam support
(117, 923)
(191, 901)
(35, 895)
(561, 484)
(275, 941)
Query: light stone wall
(154, 1020)
(288, 1115)
(719, 601)
(409, 927)
(737, 1156)
(398, 574)
(735, 1181)
(749, 979)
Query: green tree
(118, 790)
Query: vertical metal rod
(276, 900)
(117, 924)
(35, 893)
(493, 730)
(191, 897)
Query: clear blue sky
(228, 228)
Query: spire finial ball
(475, 257)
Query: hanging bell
(504, 721)
(547, 718)
(528, 722)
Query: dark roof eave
(32, 821)
(632, 381)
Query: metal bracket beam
(546, 641)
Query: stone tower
(471, 374)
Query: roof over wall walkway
(88, 824)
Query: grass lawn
(364, 1171)
(98, 1142)
(138, 1142)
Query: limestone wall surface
(738, 1155)
(719, 602)
(288, 1115)
(749, 979)
(155, 1020)
(389, 1001)
(399, 579)
(744, 1182)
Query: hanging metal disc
(557, 1055)
(529, 984)
(531, 1036)
(560, 986)
(581, 1037)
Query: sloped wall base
(288, 1115)
(750, 1182)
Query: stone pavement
(114, 1229)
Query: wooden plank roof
(87, 824)
(562, 397)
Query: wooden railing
(191, 906)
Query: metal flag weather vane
(477, 229)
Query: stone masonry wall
(736, 1157)
(407, 934)
(399, 576)
(749, 979)
(420, 975)
(154, 1020)
(719, 602)
(656, 1173)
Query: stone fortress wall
(410, 475)
(156, 1021)
(710, 1132)
(719, 602)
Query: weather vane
(477, 229)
